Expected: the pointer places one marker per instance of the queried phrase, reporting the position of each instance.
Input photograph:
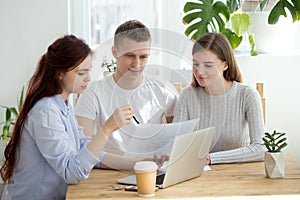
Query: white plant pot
(280, 37)
(107, 73)
(274, 165)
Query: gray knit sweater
(237, 117)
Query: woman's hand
(120, 117)
(208, 160)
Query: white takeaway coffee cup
(145, 172)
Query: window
(106, 16)
(163, 17)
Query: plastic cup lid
(145, 166)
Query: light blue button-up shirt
(52, 153)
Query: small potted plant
(274, 161)
(109, 65)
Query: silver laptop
(187, 159)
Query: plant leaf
(279, 136)
(240, 23)
(253, 51)
(263, 4)
(266, 142)
(7, 114)
(280, 141)
(232, 37)
(5, 133)
(281, 147)
(279, 9)
(297, 8)
(268, 135)
(205, 16)
(233, 5)
(13, 111)
(20, 101)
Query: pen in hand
(135, 119)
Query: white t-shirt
(150, 101)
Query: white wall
(280, 75)
(27, 28)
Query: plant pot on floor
(274, 165)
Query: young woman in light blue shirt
(48, 150)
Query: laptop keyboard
(160, 179)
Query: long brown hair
(218, 44)
(63, 55)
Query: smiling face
(208, 69)
(131, 59)
(76, 80)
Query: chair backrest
(178, 86)
(260, 89)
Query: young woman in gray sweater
(217, 96)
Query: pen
(135, 119)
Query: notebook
(187, 159)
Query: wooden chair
(178, 86)
(260, 89)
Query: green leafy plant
(214, 16)
(109, 65)
(280, 8)
(11, 114)
(275, 142)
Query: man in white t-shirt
(151, 99)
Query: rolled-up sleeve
(58, 140)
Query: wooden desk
(226, 181)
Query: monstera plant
(205, 16)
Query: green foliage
(240, 23)
(210, 15)
(109, 65)
(275, 142)
(233, 38)
(11, 114)
(214, 16)
(280, 8)
(253, 51)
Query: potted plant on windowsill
(236, 19)
(274, 24)
(274, 161)
(110, 66)
(206, 16)
(280, 7)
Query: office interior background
(28, 27)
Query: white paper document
(146, 140)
